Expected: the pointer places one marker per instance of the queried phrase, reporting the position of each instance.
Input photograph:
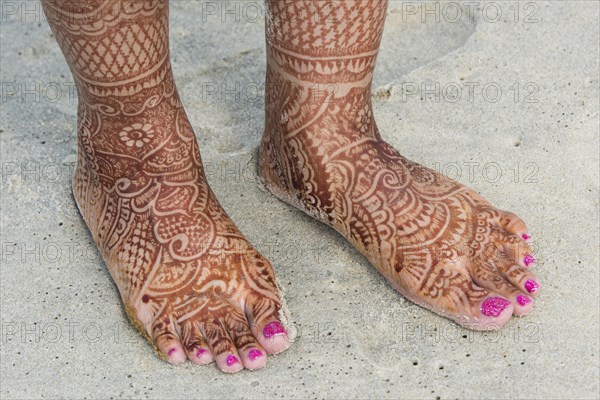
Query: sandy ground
(507, 105)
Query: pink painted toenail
(274, 328)
(254, 354)
(529, 259)
(525, 236)
(200, 352)
(171, 352)
(231, 359)
(523, 300)
(493, 306)
(531, 285)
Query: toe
(489, 276)
(263, 308)
(167, 341)
(264, 315)
(449, 292)
(272, 335)
(515, 225)
(517, 249)
(195, 346)
(519, 276)
(252, 354)
(496, 311)
(254, 357)
(221, 346)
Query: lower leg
(188, 278)
(439, 243)
(320, 62)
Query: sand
(508, 106)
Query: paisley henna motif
(186, 274)
(438, 242)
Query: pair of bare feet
(189, 280)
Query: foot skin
(439, 243)
(189, 280)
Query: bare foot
(437, 242)
(188, 278)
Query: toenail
(231, 359)
(525, 236)
(200, 352)
(531, 285)
(493, 306)
(254, 354)
(171, 352)
(529, 259)
(274, 328)
(523, 300)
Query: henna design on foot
(188, 278)
(438, 242)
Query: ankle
(317, 112)
(157, 139)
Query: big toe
(489, 275)
(273, 336)
(453, 293)
(495, 311)
(265, 317)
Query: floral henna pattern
(137, 134)
(438, 242)
(189, 279)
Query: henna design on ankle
(186, 274)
